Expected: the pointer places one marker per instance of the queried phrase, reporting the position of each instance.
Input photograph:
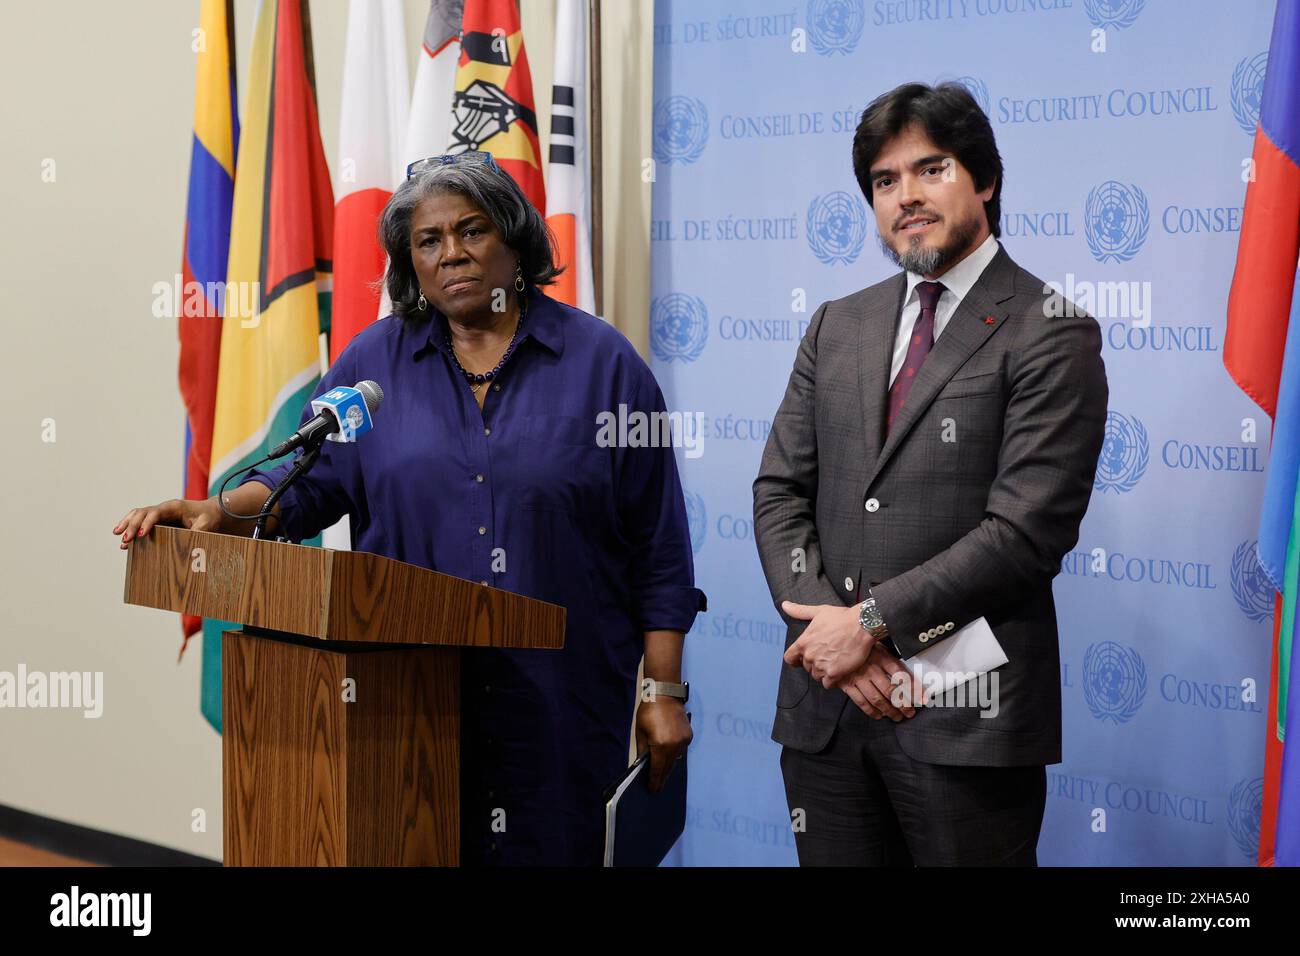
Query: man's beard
(927, 260)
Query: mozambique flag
(277, 291)
(207, 240)
(493, 109)
(1262, 353)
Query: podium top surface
(331, 595)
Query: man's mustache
(916, 215)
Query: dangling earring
(519, 278)
(423, 303)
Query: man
(928, 468)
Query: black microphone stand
(302, 464)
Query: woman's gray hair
(492, 190)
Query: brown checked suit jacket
(965, 511)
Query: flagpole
(597, 153)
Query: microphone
(342, 414)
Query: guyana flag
(278, 280)
(493, 109)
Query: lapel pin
(989, 320)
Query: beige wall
(105, 92)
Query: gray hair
(492, 190)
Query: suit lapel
(965, 332)
(875, 352)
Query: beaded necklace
(478, 379)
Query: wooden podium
(340, 698)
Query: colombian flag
(1262, 354)
(494, 108)
(277, 291)
(207, 240)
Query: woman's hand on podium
(195, 515)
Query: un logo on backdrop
(1252, 590)
(1125, 452)
(697, 520)
(1245, 807)
(1114, 681)
(679, 327)
(835, 26)
(837, 227)
(681, 129)
(978, 89)
(1116, 219)
(1113, 13)
(1248, 90)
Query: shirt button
(482, 530)
(487, 431)
(496, 388)
(848, 584)
(478, 477)
(872, 504)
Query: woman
(484, 463)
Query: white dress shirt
(957, 281)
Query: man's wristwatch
(871, 621)
(664, 688)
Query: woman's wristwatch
(665, 688)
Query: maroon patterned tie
(917, 349)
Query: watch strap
(665, 688)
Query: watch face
(870, 617)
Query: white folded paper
(960, 657)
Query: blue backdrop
(1125, 128)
